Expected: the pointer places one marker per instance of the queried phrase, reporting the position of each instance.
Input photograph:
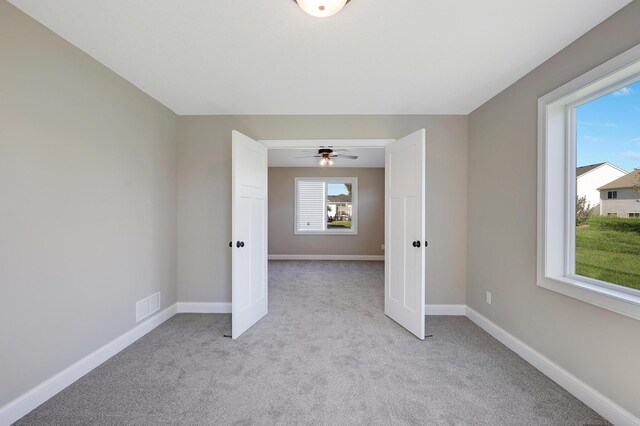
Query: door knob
(416, 244)
(241, 243)
(238, 244)
(230, 243)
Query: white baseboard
(204, 307)
(585, 393)
(326, 257)
(27, 402)
(457, 310)
(225, 308)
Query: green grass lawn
(339, 224)
(608, 249)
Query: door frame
(311, 143)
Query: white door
(404, 280)
(248, 233)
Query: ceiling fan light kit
(327, 156)
(322, 8)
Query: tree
(348, 186)
(583, 211)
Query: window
(326, 206)
(577, 254)
(634, 215)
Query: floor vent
(147, 306)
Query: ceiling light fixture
(327, 156)
(326, 159)
(322, 8)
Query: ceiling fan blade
(351, 157)
(309, 156)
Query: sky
(339, 188)
(609, 129)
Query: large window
(589, 148)
(326, 205)
(607, 129)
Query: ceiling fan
(326, 156)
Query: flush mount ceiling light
(322, 8)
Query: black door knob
(416, 244)
(238, 244)
(241, 243)
(230, 244)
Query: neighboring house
(621, 197)
(339, 207)
(590, 178)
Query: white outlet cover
(489, 297)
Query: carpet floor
(325, 354)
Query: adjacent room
(320, 212)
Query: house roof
(629, 180)
(342, 198)
(584, 169)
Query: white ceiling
(367, 157)
(269, 57)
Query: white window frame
(354, 206)
(557, 186)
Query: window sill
(617, 301)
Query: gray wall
(204, 195)
(598, 346)
(87, 203)
(282, 239)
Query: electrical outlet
(489, 297)
(382, 246)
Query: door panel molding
(405, 168)
(249, 288)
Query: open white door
(404, 279)
(249, 233)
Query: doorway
(404, 218)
